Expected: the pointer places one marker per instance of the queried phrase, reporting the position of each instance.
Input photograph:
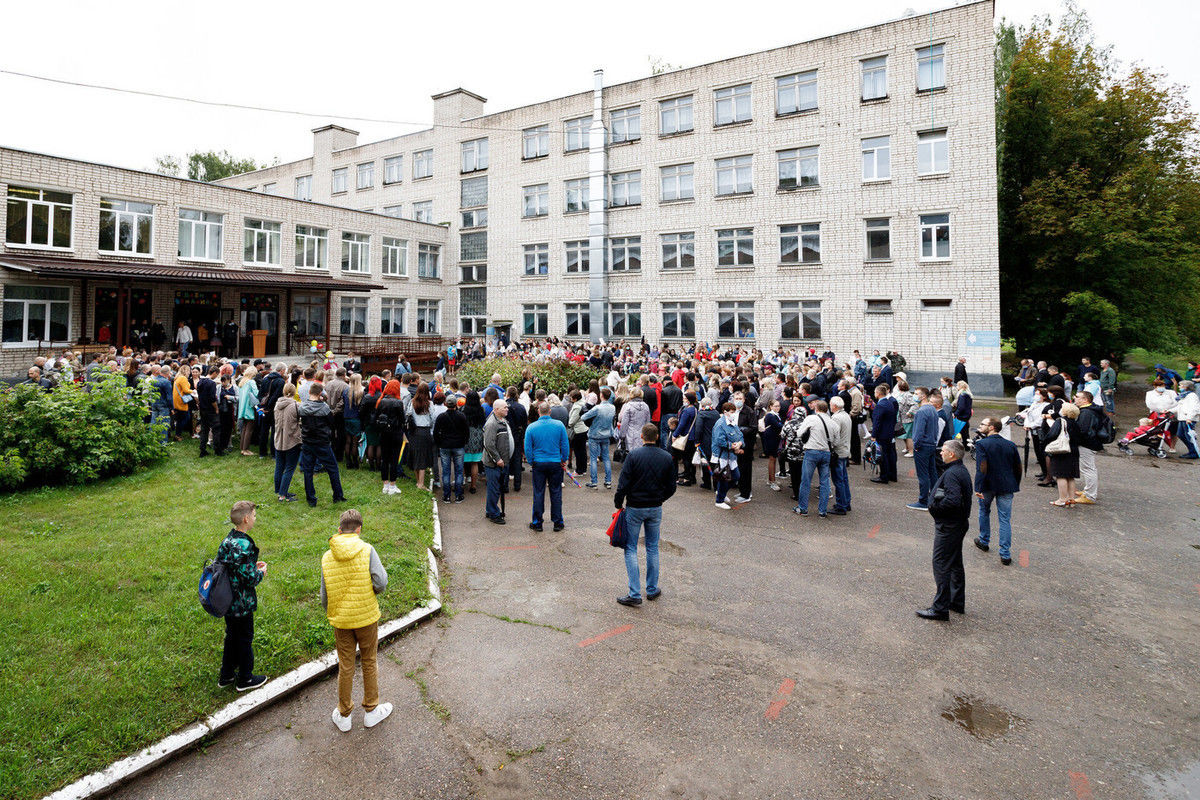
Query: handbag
(617, 533)
(1061, 443)
(697, 459)
(679, 443)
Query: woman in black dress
(420, 434)
(1064, 466)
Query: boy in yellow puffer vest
(351, 576)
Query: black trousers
(689, 469)
(237, 660)
(266, 434)
(389, 453)
(948, 572)
(516, 467)
(338, 420)
(855, 443)
(887, 460)
(579, 447)
(227, 426)
(745, 462)
(210, 422)
(794, 468)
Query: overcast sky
(385, 59)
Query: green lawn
(106, 646)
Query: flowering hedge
(554, 376)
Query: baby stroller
(1159, 437)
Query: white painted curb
(437, 530)
(108, 779)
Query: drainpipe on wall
(597, 213)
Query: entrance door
(308, 320)
(108, 304)
(260, 312)
(140, 314)
(196, 309)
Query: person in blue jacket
(997, 477)
(727, 443)
(883, 431)
(547, 447)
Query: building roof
(212, 275)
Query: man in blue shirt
(883, 430)
(547, 447)
(925, 446)
(599, 436)
(997, 477)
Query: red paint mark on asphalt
(1198, 587)
(517, 547)
(601, 637)
(1080, 785)
(874, 532)
(1023, 558)
(912, 473)
(781, 699)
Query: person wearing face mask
(727, 445)
(1159, 400)
(747, 422)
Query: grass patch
(515, 620)
(108, 649)
(1148, 358)
(440, 711)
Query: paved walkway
(783, 660)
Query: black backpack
(216, 593)
(384, 421)
(1106, 432)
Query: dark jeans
(855, 443)
(795, 473)
(948, 572)
(210, 423)
(496, 478)
(285, 467)
(389, 455)
(723, 487)
(579, 448)
(339, 434)
(839, 469)
(237, 660)
(688, 468)
(313, 459)
(547, 473)
(266, 433)
(925, 464)
(227, 427)
(746, 472)
(183, 423)
(887, 460)
(516, 467)
(452, 472)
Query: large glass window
(800, 319)
(356, 252)
(423, 164)
(735, 175)
(800, 244)
(429, 260)
(579, 319)
(366, 175)
(679, 320)
(537, 259)
(796, 93)
(200, 234)
(626, 188)
(473, 246)
(678, 250)
(34, 314)
(395, 257)
(678, 182)
(578, 255)
(535, 200)
(475, 218)
(312, 247)
(879, 239)
(935, 237)
(260, 242)
(877, 158)
(735, 319)
(308, 315)
(675, 115)
(576, 131)
(535, 319)
(427, 316)
(473, 192)
(931, 68)
(625, 254)
(126, 226)
(732, 104)
(625, 319)
(304, 187)
(577, 195)
(472, 311)
(933, 153)
(735, 247)
(799, 168)
(423, 211)
(874, 78)
(354, 316)
(393, 169)
(535, 142)
(625, 124)
(39, 218)
(474, 155)
(391, 316)
(472, 273)
(394, 211)
(338, 183)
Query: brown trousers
(366, 639)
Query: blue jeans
(547, 472)
(285, 467)
(452, 461)
(313, 459)
(1004, 512)
(723, 487)
(664, 431)
(815, 461)
(161, 416)
(635, 518)
(925, 463)
(1186, 432)
(1109, 405)
(494, 487)
(841, 483)
(598, 451)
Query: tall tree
(205, 166)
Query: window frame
(879, 308)
(422, 160)
(735, 166)
(24, 341)
(364, 170)
(394, 263)
(474, 155)
(736, 237)
(869, 144)
(870, 66)
(387, 315)
(340, 176)
(356, 252)
(276, 239)
(419, 209)
(207, 226)
(539, 136)
(679, 310)
(630, 249)
(801, 157)
(427, 252)
(303, 187)
(934, 226)
(583, 188)
(934, 58)
(677, 180)
(867, 228)
(629, 120)
(581, 249)
(539, 195)
(393, 169)
(797, 84)
(472, 324)
(624, 184)
(679, 244)
(630, 316)
(576, 127)
(536, 259)
(354, 304)
(800, 234)
(742, 310)
(424, 308)
(471, 239)
(675, 106)
(801, 309)
(137, 216)
(929, 140)
(581, 315)
(303, 235)
(539, 313)
(52, 211)
(731, 96)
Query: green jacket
(239, 553)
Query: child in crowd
(239, 554)
(1144, 424)
(351, 576)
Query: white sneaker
(342, 723)
(908, 455)
(387, 489)
(774, 487)
(740, 500)
(377, 715)
(725, 506)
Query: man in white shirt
(819, 434)
(841, 455)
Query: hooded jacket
(315, 423)
(351, 576)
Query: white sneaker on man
(740, 499)
(342, 723)
(377, 715)
(725, 506)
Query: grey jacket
(287, 424)
(497, 441)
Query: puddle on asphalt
(981, 719)
(1183, 784)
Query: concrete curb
(120, 772)
(437, 530)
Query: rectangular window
(675, 115)
(261, 242)
(577, 195)
(578, 256)
(393, 169)
(579, 319)
(427, 316)
(473, 192)
(34, 314)
(312, 247)
(395, 257)
(423, 164)
(935, 305)
(472, 311)
(678, 250)
(877, 158)
(626, 189)
(472, 273)
(356, 252)
(734, 175)
(391, 316)
(354, 316)
(799, 168)
(735, 319)
(535, 319)
(625, 125)
(625, 254)
(537, 259)
(200, 234)
(474, 155)
(577, 133)
(879, 239)
(304, 187)
(268, 188)
(423, 211)
(535, 142)
(879, 307)
(677, 183)
(874, 78)
(679, 320)
(429, 261)
(800, 319)
(535, 200)
(625, 319)
(800, 244)
(39, 218)
(795, 93)
(473, 246)
(394, 211)
(477, 218)
(308, 315)
(931, 68)
(935, 237)
(366, 175)
(735, 247)
(933, 153)
(732, 104)
(126, 226)
(338, 182)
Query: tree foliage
(208, 166)
(1099, 196)
(553, 376)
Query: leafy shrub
(76, 433)
(555, 376)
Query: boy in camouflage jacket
(239, 554)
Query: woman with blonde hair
(353, 421)
(1063, 457)
(248, 408)
(962, 410)
(287, 442)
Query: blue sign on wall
(983, 338)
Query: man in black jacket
(450, 431)
(518, 421)
(316, 450)
(210, 419)
(672, 402)
(647, 481)
(747, 422)
(270, 392)
(950, 507)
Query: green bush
(76, 433)
(555, 376)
